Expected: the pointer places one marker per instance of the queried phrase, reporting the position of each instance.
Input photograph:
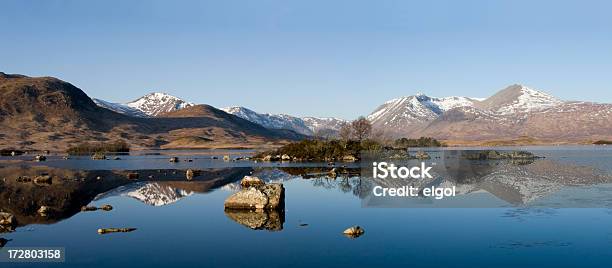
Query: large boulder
(268, 196)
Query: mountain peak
(156, 103)
(518, 98)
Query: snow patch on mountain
(417, 108)
(275, 121)
(157, 103)
(120, 108)
(529, 100)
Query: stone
(40, 158)
(189, 174)
(421, 155)
(115, 230)
(7, 219)
(98, 156)
(349, 158)
(251, 181)
(44, 179)
(268, 196)
(88, 208)
(354, 231)
(226, 158)
(173, 159)
(44, 210)
(106, 207)
(286, 157)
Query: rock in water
(40, 158)
(106, 207)
(189, 174)
(88, 208)
(285, 157)
(354, 231)
(7, 219)
(173, 159)
(43, 211)
(45, 179)
(268, 196)
(251, 181)
(421, 155)
(115, 230)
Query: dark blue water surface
(188, 228)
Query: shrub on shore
(99, 147)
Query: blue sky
(320, 58)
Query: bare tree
(361, 128)
(345, 132)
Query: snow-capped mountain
(401, 115)
(120, 108)
(157, 103)
(516, 111)
(276, 121)
(519, 99)
(319, 124)
(152, 104)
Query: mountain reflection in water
(515, 183)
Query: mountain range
(45, 111)
(515, 112)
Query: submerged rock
(115, 230)
(354, 231)
(267, 196)
(251, 181)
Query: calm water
(184, 223)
